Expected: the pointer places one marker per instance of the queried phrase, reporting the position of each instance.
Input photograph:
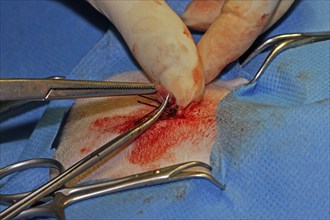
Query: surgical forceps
(281, 43)
(54, 205)
(59, 88)
(82, 165)
(17, 92)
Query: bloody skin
(194, 123)
(172, 107)
(181, 135)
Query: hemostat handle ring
(25, 165)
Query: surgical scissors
(82, 165)
(281, 43)
(54, 205)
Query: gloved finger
(282, 7)
(200, 14)
(161, 43)
(233, 32)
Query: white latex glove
(231, 27)
(161, 43)
(163, 46)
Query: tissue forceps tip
(281, 43)
(191, 169)
(182, 171)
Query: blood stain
(85, 150)
(193, 123)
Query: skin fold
(188, 135)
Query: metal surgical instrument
(55, 204)
(57, 88)
(280, 43)
(82, 165)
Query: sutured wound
(182, 135)
(165, 133)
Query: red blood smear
(187, 32)
(84, 150)
(263, 19)
(194, 123)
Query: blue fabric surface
(273, 155)
(42, 39)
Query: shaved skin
(188, 135)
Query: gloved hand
(231, 27)
(165, 49)
(161, 43)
